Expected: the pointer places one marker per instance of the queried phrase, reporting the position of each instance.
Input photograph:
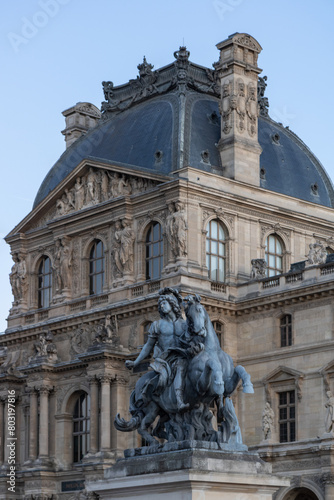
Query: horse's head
(196, 315)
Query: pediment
(87, 186)
(282, 374)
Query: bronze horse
(210, 376)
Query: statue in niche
(79, 190)
(116, 251)
(18, 277)
(177, 229)
(62, 264)
(329, 424)
(115, 185)
(180, 228)
(189, 373)
(317, 254)
(170, 229)
(268, 419)
(123, 247)
(259, 267)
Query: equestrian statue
(190, 374)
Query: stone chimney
(238, 74)
(79, 119)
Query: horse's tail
(129, 425)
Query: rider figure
(165, 340)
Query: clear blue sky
(56, 53)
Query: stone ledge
(191, 455)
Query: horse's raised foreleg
(239, 374)
(247, 385)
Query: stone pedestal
(190, 471)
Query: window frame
(285, 326)
(211, 241)
(81, 438)
(270, 270)
(149, 257)
(44, 291)
(290, 422)
(93, 273)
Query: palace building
(181, 180)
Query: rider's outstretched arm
(146, 350)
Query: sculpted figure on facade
(317, 254)
(79, 193)
(180, 228)
(91, 188)
(18, 277)
(176, 227)
(329, 424)
(189, 373)
(62, 264)
(107, 332)
(268, 419)
(123, 247)
(259, 267)
(45, 348)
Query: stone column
(119, 404)
(2, 436)
(33, 425)
(94, 414)
(52, 411)
(44, 422)
(105, 413)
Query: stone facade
(68, 337)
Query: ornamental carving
(45, 349)
(268, 419)
(317, 254)
(18, 278)
(107, 332)
(252, 109)
(80, 339)
(11, 363)
(259, 267)
(263, 102)
(97, 186)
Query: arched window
(219, 329)
(81, 427)
(274, 255)
(96, 268)
(215, 251)
(44, 282)
(154, 251)
(286, 330)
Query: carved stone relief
(97, 186)
(259, 267)
(45, 349)
(317, 254)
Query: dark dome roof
(162, 133)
